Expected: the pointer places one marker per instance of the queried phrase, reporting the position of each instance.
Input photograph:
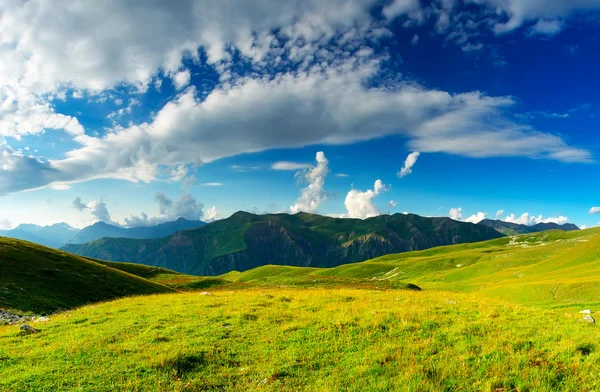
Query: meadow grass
(277, 339)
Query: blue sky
(145, 114)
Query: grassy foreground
(304, 339)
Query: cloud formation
(313, 194)
(97, 209)
(286, 165)
(410, 161)
(360, 204)
(530, 220)
(321, 92)
(186, 206)
(594, 210)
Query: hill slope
(37, 279)
(556, 269)
(245, 241)
(509, 228)
(101, 230)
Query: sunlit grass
(297, 339)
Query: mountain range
(509, 228)
(244, 241)
(104, 230)
(57, 235)
(53, 236)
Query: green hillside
(37, 279)
(554, 269)
(245, 241)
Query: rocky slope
(246, 241)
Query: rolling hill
(245, 241)
(37, 279)
(509, 228)
(101, 230)
(554, 269)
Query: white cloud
(476, 218)
(343, 175)
(547, 27)
(313, 194)
(499, 213)
(583, 227)
(400, 7)
(392, 203)
(527, 219)
(213, 184)
(410, 161)
(595, 210)
(78, 204)
(286, 165)
(211, 214)
(187, 206)
(322, 98)
(182, 79)
(99, 211)
(360, 204)
(455, 213)
(521, 11)
(5, 224)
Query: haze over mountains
(59, 234)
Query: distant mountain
(244, 241)
(515, 228)
(102, 230)
(53, 236)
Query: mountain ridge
(510, 228)
(244, 241)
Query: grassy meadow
(278, 339)
(500, 315)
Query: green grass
(500, 315)
(36, 279)
(553, 269)
(295, 339)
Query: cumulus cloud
(410, 161)
(313, 194)
(529, 220)
(321, 96)
(5, 224)
(519, 12)
(77, 203)
(547, 27)
(187, 206)
(499, 213)
(595, 210)
(477, 217)
(360, 204)
(392, 203)
(97, 209)
(182, 79)
(211, 214)
(456, 214)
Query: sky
(136, 113)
